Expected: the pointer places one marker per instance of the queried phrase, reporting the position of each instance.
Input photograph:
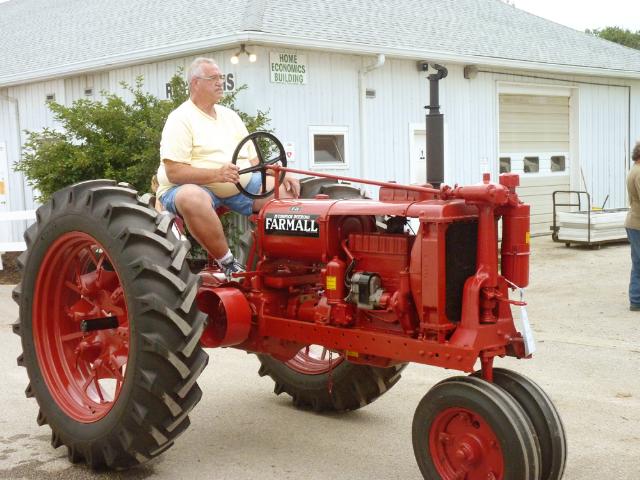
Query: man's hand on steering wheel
(228, 173)
(291, 185)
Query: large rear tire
(328, 383)
(109, 325)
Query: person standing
(632, 225)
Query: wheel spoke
(72, 286)
(256, 147)
(71, 336)
(98, 388)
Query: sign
(291, 224)
(228, 85)
(288, 68)
(290, 152)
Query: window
(558, 163)
(531, 164)
(505, 164)
(329, 147)
(51, 97)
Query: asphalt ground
(587, 360)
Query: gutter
(258, 38)
(362, 94)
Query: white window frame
(328, 130)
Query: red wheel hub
(80, 327)
(464, 446)
(315, 360)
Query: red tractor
(339, 295)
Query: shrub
(108, 138)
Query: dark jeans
(634, 283)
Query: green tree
(618, 35)
(109, 138)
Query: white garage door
(534, 142)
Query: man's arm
(180, 173)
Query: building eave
(259, 38)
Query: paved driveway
(588, 360)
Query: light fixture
(236, 56)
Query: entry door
(419, 157)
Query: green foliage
(109, 138)
(618, 35)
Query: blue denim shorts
(238, 203)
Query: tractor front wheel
(468, 428)
(109, 325)
(544, 418)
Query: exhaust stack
(435, 129)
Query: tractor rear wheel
(325, 381)
(109, 325)
(468, 428)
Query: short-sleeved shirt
(191, 136)
(633, 189)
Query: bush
(109, 138)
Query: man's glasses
(215, 78)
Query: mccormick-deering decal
(291, 224)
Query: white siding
(330, 98)
(603, 142)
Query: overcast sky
(583, 14)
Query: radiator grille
(461, 248)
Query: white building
(342, 85)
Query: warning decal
(291, 224)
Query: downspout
(361, 111)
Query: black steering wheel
(266, 145)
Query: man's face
(208, 84)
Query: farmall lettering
(291, 224)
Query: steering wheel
(269, 141)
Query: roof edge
(204, 44)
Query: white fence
(10, 217)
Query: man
(632, 224)
(196, 174)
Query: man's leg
(195, 206)
(634, 282)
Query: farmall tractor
(340, 294)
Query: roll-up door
(534, 142)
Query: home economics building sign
(289, 68)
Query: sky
(583, 14)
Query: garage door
(534, 142)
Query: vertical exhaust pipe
(435, 129)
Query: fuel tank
(311, 229)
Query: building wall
(331, 97)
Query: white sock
(226, 258)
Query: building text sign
(289, 68)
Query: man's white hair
(195, 69)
